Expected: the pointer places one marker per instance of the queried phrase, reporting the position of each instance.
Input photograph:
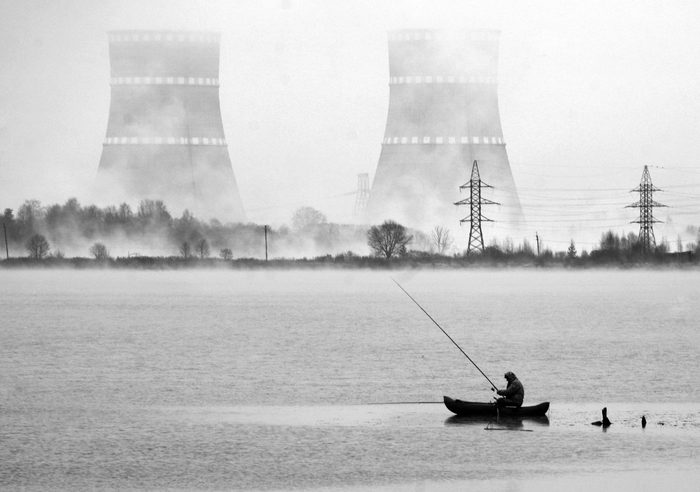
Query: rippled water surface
(278, 380)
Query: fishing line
(446, 334)
(419, 355)
(402, 403)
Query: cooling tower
(165, 139)
(443, 115)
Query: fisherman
(514, 393)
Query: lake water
(279, 380)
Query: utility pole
(7, 250)
(646, 206)
(266, 242)
(476, 237)
(537, 239)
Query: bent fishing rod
(493, 386)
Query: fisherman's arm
(506, 392)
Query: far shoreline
(344, 262)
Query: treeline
(151, 237)
(492, 256)
(613, 250)
(71, 229)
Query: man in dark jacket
(514, 393)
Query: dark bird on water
(644, 422)
(605, 422)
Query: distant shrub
(37, 246)
(99, 251)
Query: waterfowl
(605, 422)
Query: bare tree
(307, 218)
(226, 254)
(421, 241)
(99, 251)
(186, 250)
(203, 248)
(37, 246)
(388, 239)
(125, 214)
(508, 246)
(525, 248)
(441, 239)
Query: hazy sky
(589, 93)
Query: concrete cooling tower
(165, 139)
(443, 115)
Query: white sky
(589, 93)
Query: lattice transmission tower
(646, 206)
(475, 218)
(362, 195)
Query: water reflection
(498, 423)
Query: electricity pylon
(476, 237)
(362, 195)
(646, 206)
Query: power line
(287, 205)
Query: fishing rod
(493, 386)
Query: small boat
(471, 408)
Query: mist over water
(270, 380)
(150, 230)
(265, 380)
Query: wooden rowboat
(471, 408)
